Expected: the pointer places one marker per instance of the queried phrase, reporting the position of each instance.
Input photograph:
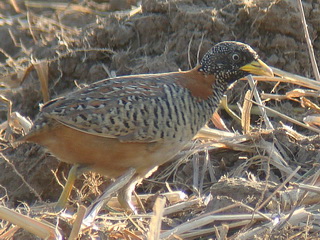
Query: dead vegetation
(255, 178)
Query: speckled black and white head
(228, 61)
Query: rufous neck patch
(198, 83)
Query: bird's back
(144, 108)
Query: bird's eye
(235, 57)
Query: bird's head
(228, 61)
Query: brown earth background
(113, 38)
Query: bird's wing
(125, 108)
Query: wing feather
(120, 108)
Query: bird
(138, 121)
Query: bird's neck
(198, 83)
(212, 103)
(206, 90)
(202, 86)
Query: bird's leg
(72, 176)
(96, 205)
(125, 193)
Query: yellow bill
(258, 67)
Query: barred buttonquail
(139, 121)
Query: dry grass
(279, 196)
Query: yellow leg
(72, 176)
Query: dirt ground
(79, 42)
